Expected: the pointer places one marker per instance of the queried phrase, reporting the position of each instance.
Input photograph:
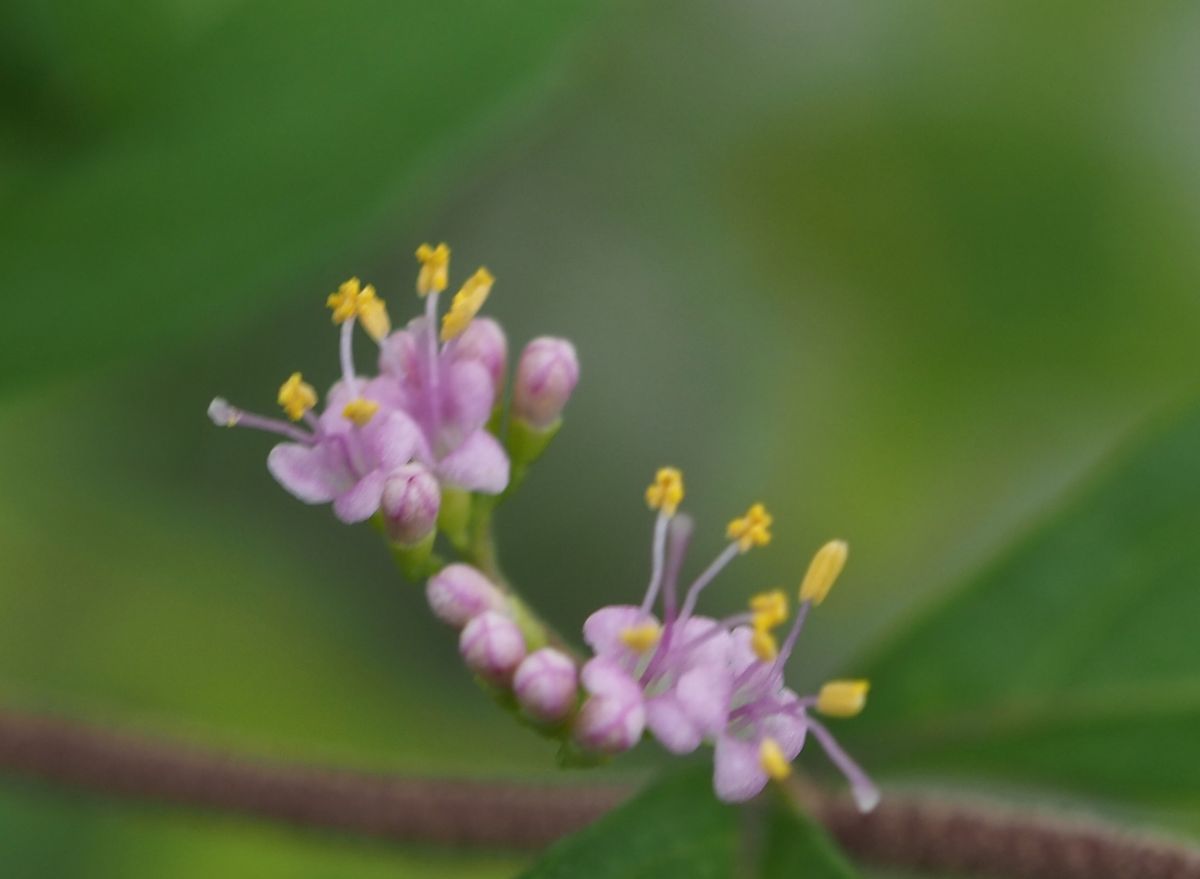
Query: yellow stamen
(823, 571)
(361, 411)
(344, 302)
(373, 314)
(666, 492)
(764, 645)
(296, 397)
(770, 608)
(467, 302)
(435, 269)
(770, 757)
(641, 638)
(752, 529)
(843, 698)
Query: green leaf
(678, 828)
(254, 161)
(797, 847)
(1073, 662)
(674, 828)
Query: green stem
(482, 553)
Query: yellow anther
(296, 397)
(823, 571)
(467, 302)
(435, 269)
(344, 302)
(360, 411)
(666, 492)
(752, 529)
(843, 698)
(770, 757)
(373, 314)
(641, 638)
(354, 300)
(770, 608)
(764, 645)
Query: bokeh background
(903, 272)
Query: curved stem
(481, 552)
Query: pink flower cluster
(683, 678)
(397, 440)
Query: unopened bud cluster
(543, 682)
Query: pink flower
(699, 679)
(450, 394)
(492, 647)
(546, 378)
(410, 503)
(337, 458)
(613, 717)
(546, 685)
(459, 593)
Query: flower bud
(546, 685)
(459, 593)
(410, 504)
(546, 376)
(492, 646)
(614, 716)
(484, 341)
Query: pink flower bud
(614, 716)
(492, 646)
(459, 593)
(410, 504)
(546, 376)
(485, 342)
(546, 685)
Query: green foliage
(1073, 662)
(796, 847)
(677, 828)
(250, 161)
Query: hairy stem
(911, 832)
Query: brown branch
(904, 831)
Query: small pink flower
(546, 377)
(613, 717)
(546, 685)
(450, 394)
(484, 342)
(410, 502)
(492, 646)
(459, 593)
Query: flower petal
(469, 397)
(479, 464)
(671, 725)
(789, 728)
(703, 694)
(603, 677)
(361, 501)
(304, 471)
(737, 769)
(710, 649)
(602, 630)
(391, 440)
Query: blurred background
(903, 273)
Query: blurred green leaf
(271, 146)
(678, 828)
(795, 846)
(1072, 662)
(675, 828)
